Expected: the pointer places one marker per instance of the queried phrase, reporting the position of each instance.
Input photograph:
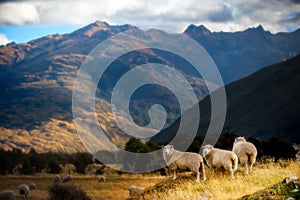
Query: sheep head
(168, 149)
(239, 139)
(206, 149)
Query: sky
(24, 20)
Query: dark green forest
(32, 162)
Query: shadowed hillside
(263, 105)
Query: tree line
(16, 161)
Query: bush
(81, 161)
(27, 168)
(54, 167)
(66, 192)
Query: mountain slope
(37, 80)
(262, 105)
(37, 77)
(239, 54)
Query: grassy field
(159, 187)
(221, 186)
(115, 187)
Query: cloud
(3, 39)
(18, 13)
(294, 17)
(174, 14)
(221, 16)
(296, 1)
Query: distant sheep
(32, 186)
(56, 179)
(245, 151)
(66, 178)
(298, 156)
(135, 191)
(24, 190)
(8, 195)
(183, 160)
(218, 158)
(101, 179)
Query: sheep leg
(203, 172)
(251, 167)
(231, 174)
(175, 175)
(246, 168)
(197, 176)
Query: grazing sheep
(298, 156)
(24, 190)
(297, 148)
(245, 151)
(56, 179)
(183, 160)
(218, 158)
(8, 195)
(66, 178)
(135, 191)
(101, 179)
(32, 186)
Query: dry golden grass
(159, 187)
(115, 187)
(222, 187)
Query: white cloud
(232, 15)
(3, 39)
(18, 13)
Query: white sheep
(101, 179)
(32, 186)
(183, 160)
(67, 178)
(24, 190)
(298, 156)
(218, 158)
(56, 178)
(245, 151)
(135, 191)
(8, 195)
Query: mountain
(262, 105)
(37, 80)
(37, 77)
(241, 53)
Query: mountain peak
(259, 28)
(100, 24)
(197, 29)
(95, 27)
(92, 28)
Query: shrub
(54, 167)
(66, 192)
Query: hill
(262, 105)
(37, 77)
(268, 181)
(239, 54)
